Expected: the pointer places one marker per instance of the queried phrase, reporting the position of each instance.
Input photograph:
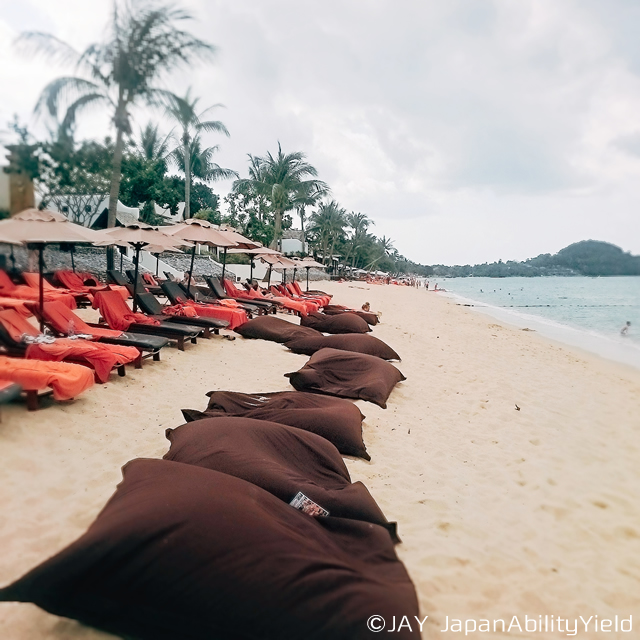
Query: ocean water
(583, 312)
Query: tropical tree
(184, 111)
(285, 180)
(200, 163)
(144, 42)
(151, 144)
(358, 223)
(327, 227)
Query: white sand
(501, 512)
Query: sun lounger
(65, 380)
(8, 289)
(235, 316)
(314, 297)
(115, 277)
(102, 358)
(142, 285)
(312, 305)
(63, 322)
(303, 307)
(217, 291)
(252, 294)
(75, 282)
(297, 287)
(180, 314)
(205, 295)
(119, 316)
(33, 281)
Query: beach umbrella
(140, 236)
(239, 242)
(308, 263)
(277, 262)
(200, 232)
(252, 253)
(38, 228)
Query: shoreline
(582, 339)
(502, 512)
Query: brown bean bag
(275, 329)
(339, 421)
(335, 309)
(282, 460)
(182, 552)
(358, 342)
(347, 374)
(341, 323)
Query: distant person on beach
(366, 306)
(625, 330)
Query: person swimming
(625, 330)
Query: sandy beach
(502, 512)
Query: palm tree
(200, 162)
(184, 111)
(327, 224)
(143, 43)
(151, 145)
(359, 225)
(281, 179)
(309, 197)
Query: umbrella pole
(307, 268)
(135, 280)
(41, 269)
(251, 273)
(157, 263)
(224, 263)
(121, 255)
(73, 264)
(269, 278)
(193, 256)
(284, 276)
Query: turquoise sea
(584, 312)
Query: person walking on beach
(625, 330)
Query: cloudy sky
(468, 130)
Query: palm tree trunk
(304, 237)
(114, 191)
(277, 230)
(187, 178)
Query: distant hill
(586, 258)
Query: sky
(467, 130)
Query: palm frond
(64, 90)
(212, 126)
(80, 104)
(36, 42)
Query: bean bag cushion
(184, 552)
(339, 421)
(358, 342)
(341, 323)
(335, 309)
(347, 374)
(275, 329)
(282, 460)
